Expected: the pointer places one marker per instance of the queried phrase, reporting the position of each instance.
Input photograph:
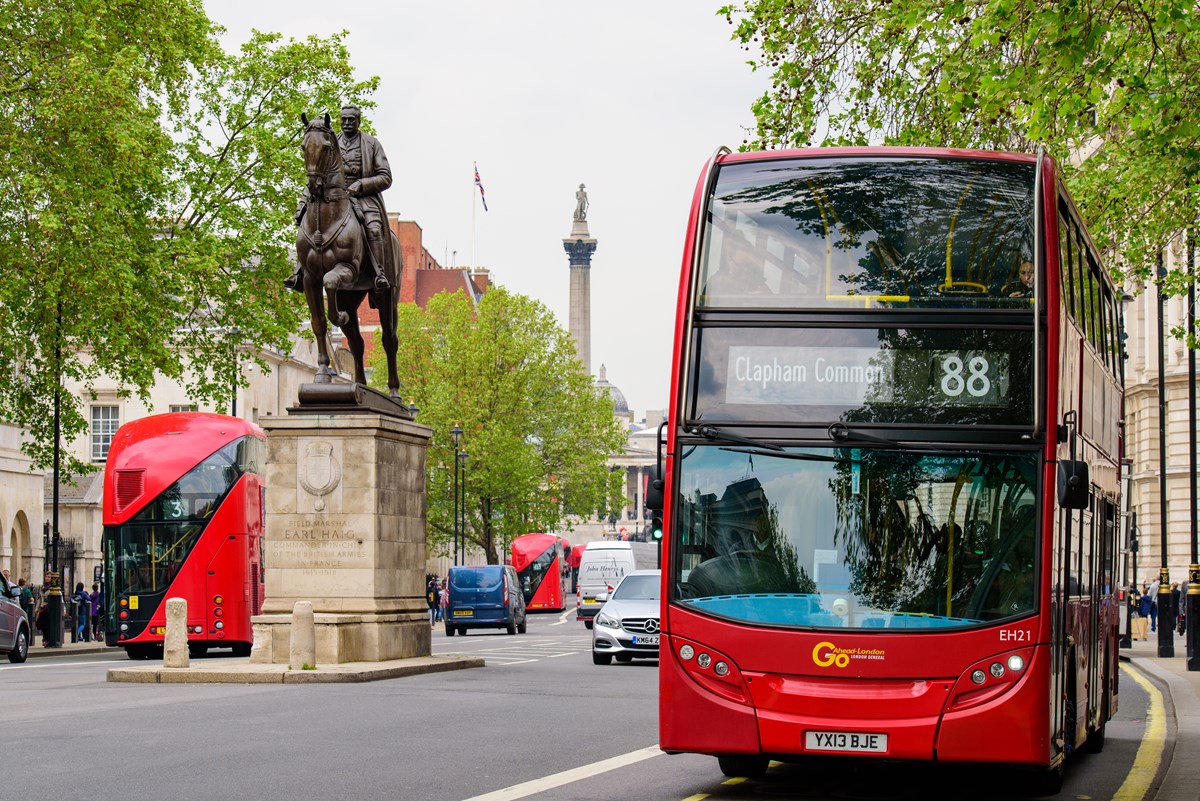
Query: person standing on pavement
(431, 598)
(1153, 593)
(83, 613)
(26, 600)
(97, 612)
(444, 600)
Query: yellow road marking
(735, 780)
(1150, 752)
(696, 797)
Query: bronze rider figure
(368, 174)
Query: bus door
(1086, 647)
(227, 576)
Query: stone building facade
(1142, 428)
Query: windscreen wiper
(709, 432)
(782, 454)
(840, 433)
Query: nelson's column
(580, 246)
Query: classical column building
(1141, 424)
(580, 246)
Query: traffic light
(656, 529)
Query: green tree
(1109, 80)
(536, 430)
(145, 199)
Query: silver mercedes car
(626, 627)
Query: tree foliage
(1111, 80)
(145, 199)
(536, 430)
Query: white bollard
(302, 651)
(175, 645)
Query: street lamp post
(1166, 634)
(456, 433)
(1191, 602)
(461, 458)
(54, 598)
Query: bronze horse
(331, 248)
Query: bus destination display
(851, 376)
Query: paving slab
(242, 671)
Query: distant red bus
(538, 560)
(183, 518)
(891, 469)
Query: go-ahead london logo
(826, 654)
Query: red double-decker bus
(183, 518)
(538, 560)
(890, 469)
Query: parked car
(600, 569)
(14, 625)
(627, 625)
(485, 597)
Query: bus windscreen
(856, 538)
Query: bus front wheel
(140, 651)
(750, 766)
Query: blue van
(487, 597)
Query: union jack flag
(479, 184)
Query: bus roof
(163, 447)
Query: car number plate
(587, 601)
(862, 742)
(645, 639)
(463, 612)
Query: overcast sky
(629, 98)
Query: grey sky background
(629, 98)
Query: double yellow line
(1150, 752)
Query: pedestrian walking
(1153, 593)
(431, 598)
(97, 613)
(83, 613)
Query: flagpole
(473, 186)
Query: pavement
(1182, 690)
(234, 670)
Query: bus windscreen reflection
(856, 538)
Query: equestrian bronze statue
(344, 248)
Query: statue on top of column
(581, 204)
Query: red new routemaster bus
(183, 518)
(891, 464)
(538, 560)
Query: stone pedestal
(345, 530)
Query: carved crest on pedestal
(319, 471)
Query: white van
(603, 565)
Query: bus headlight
(1015, 662)
(686, 652)
(978, 676)
(703, 660)
(220, 624)
(996, 669)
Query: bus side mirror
(654, 490)
(1074, 487)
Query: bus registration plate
(845, 741)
